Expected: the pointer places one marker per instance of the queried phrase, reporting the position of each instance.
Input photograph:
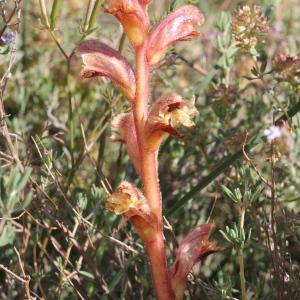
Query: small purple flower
(8, 37)
(272, 133)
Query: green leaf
(4, 49)
(44, 14)
(7, 235)
(225, 236)
(228, 192)
(256, 193)
(55, 11)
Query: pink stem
(149, 176)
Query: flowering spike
(101, 60)
(123, 125)
(133, 16)
(178, 26)
(168, 112)
(130, 202)
(194, 247)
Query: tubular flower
(130, 202)
(133, 16)
(178, 26)
(127, 200)
(193, 248)
(123, 126)
(168, 112)
(101, 60)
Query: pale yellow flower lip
(127, 201)
(168, 112)
(121, 203)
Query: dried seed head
(248, 27)
(287, 68)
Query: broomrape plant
(143, 129)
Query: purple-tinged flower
(194, 247)
(101, 60)
(272, 133)
(8, 37)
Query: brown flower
(287, 68)
(193, 248)
(167, 113)
(130, 202)
(249, 26)
(127, 200)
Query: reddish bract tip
(101, 60)
(168, 112)
(178, 26)
(133, 16)
(193, 248)
(144, 2)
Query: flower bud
(168, 112)
(101, 60)
(133, 16)
(193, 248)
(178, 26)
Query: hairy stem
(242, 274)
(241, 257)
(149, 176)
